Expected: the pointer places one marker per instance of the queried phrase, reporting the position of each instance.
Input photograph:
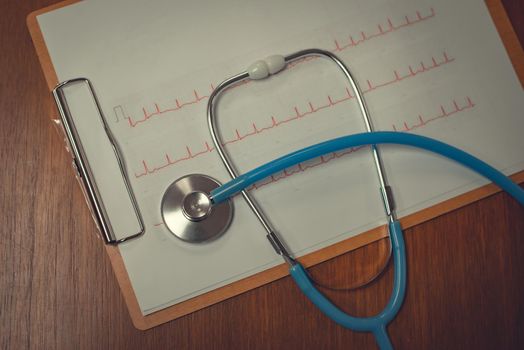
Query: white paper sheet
(435, 68)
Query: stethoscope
(195, 208)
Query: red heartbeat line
(351, 42)
(274, 123)
(381, 31)
(302, 167)
(325, 159)
(443, 114)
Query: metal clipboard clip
(84, 170)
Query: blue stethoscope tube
(363, 139)
(376, 324)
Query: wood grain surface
(58, 291)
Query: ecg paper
(435, 68)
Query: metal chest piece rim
(188, 213)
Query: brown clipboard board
(142, 322)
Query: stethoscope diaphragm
(188, 212)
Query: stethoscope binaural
(195, 208)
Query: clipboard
(142, 322)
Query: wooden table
(57, 289)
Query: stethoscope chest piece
(188, 213)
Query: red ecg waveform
(443, 114)
(381, 31)
(325, 159)
(456, 108)
(339, 46)
(301, 167)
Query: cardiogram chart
(124, 117)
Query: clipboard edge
(507, 35)
(39, 41)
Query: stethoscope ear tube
(240, 183)
(376, 324)
(261, 70)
